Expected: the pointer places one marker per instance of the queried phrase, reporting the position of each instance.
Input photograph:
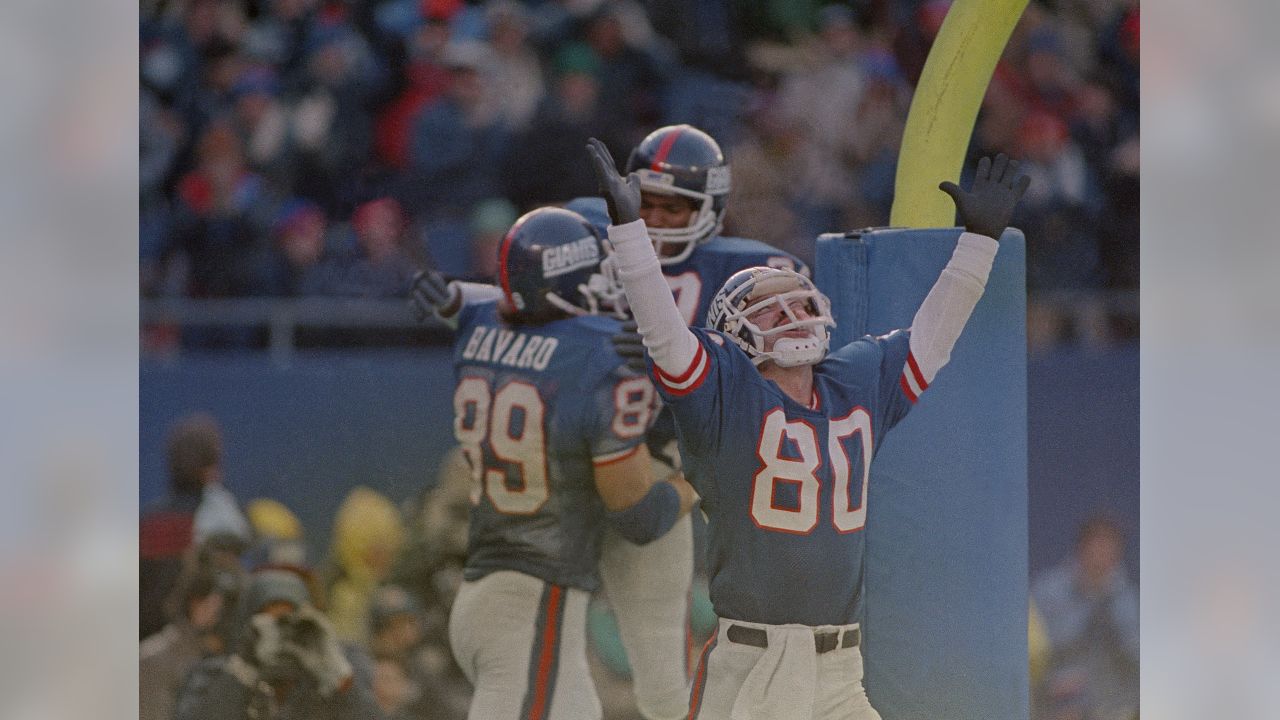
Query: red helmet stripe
(665, 149)
(504, 279)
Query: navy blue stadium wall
(946, 580)
(307, 434)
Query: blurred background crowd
(328, 147)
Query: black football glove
(630, 346)
(621, 194)
(989, 204)
(429, 294)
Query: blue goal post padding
(946, 580)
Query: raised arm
(984, 211)
(673, 348)
(430, 294)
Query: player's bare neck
(796, 382)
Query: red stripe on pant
(695, 699)
(688, 634)
(549, 642)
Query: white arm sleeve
(949, 304)
(670, 344)
(468, 292)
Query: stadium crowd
(327, 147)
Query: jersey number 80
(847, 513)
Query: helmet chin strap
(794, 352)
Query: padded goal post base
(946, 582)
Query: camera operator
(286, 662)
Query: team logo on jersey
(563, 259)
(718, 180)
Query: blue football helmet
(550, 260)
(682, 160)
(750, 291)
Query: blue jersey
(696, 280)
(535, 410)
(700, 276)
(784, 485)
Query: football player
(777, 434)
(552, 422)
(684, 185)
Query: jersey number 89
(511, 421)
(847, 513)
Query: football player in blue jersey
(552, 422)
(777, 434)
(684, 188)
(684, 185)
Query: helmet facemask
(704, 224)
(602, 294)
(781, 288)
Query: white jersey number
(686, 288)
(633, 406)
(479, 416)
(848, 513)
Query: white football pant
(522, 643)
(648, 588)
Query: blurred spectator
(204, 596)
(459, 141)
(545, 164)
(404, 677)
(395, 624)
(278, 539)
(878, 127)
(330, 120)
(379, 265)
(221, 216)
(1089, 609)
(286, 662)
(706, 36)
(490, 220)
(292, 267)
(517, 72)
(780, 20)
(1118, 225)
(1118, 54)
(161, 135)
(368, 532)
(1050, 85)
(425, 79)
(1056, 209)
(630, 79)
(397, 695)
(278, 35)
(168, 527)
(457, 150)
(765, 165)
(825, 93)
(263, 123)
(914, 37)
